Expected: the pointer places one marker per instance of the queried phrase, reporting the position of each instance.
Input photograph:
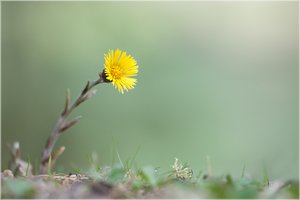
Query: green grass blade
(49, 165)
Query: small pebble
(7, 174)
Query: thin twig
(62, 123)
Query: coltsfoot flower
(181, 171)
(119, 68)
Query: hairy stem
(62, 124)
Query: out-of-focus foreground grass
(123, 180)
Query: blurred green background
(216, 79)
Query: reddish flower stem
(62, 124)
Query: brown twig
(62, 124)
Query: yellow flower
(119, 68)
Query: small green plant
(18, 188)
(181, 171)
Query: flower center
(116, 72)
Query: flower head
(181, 171)
(119, 68)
